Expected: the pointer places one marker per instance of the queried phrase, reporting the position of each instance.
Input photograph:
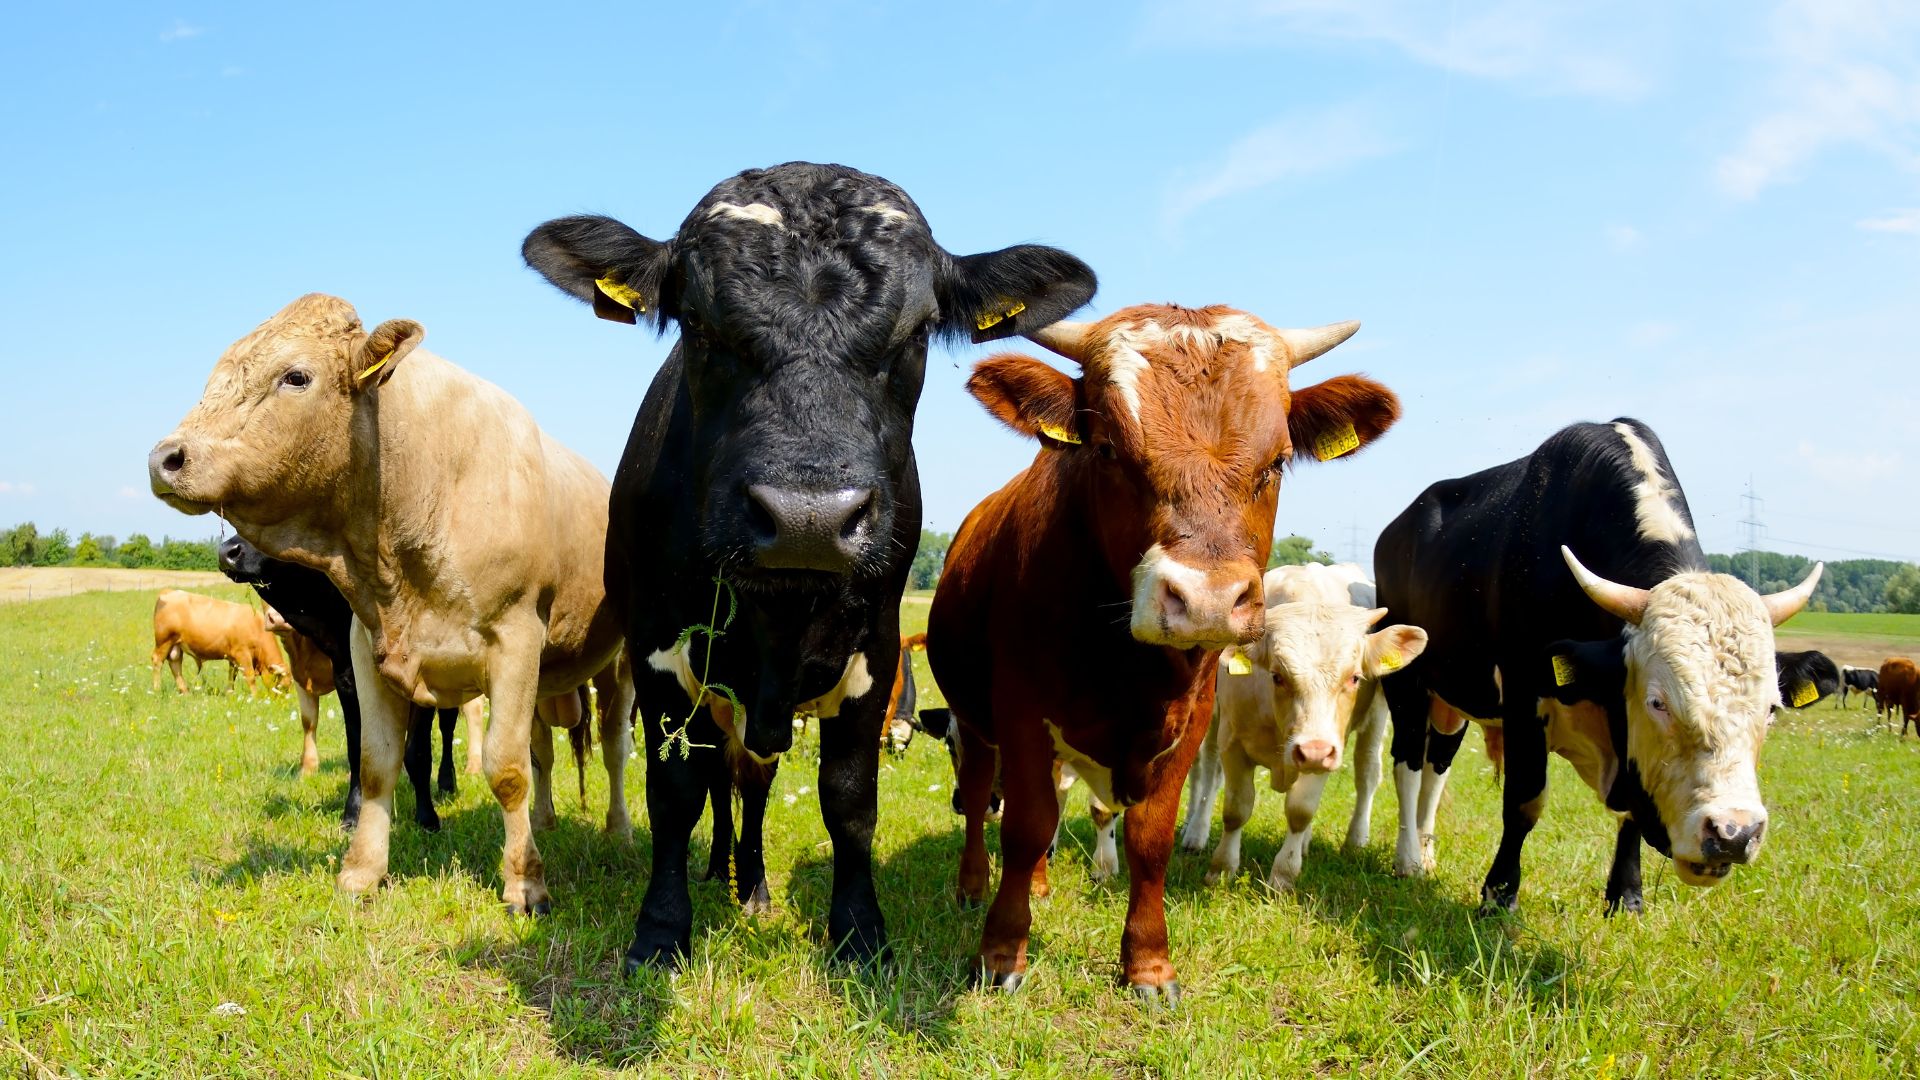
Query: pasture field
(167, 909)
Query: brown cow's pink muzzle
(1188, 607)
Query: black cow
(773, 453)
(311, 605)
(1806, 678)
(1859, 680)
(1523, 636)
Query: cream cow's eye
(297, 379)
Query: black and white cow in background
(1654, 677)
(1806, 678)
(1858, 680)
(773, 451)
(310, 604)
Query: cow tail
(578, 737)
(1496, 740)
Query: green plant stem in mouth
(676, 738)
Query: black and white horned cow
(773, 451)
(1652, 676)
(1806, 678)
(309, 603)
(1858, 680)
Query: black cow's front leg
(350, 719)
(1623, 882)
(445, 781)
(849, 794)
(750, 862)
(720, 793)
(676, 792)
(1522, 798)
(419, 763)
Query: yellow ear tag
(1238, 664)
(1563, 670)
(1059, 434)
(623, 295)
(1390, 661)
(1335, 443)
(1804, 694)
(989, 319)
(377, 365)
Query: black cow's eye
(296, 378)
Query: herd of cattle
(422, 543)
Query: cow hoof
(1495, 905)
(447, 786)
(1280, 884)
(429, 822)
(1216, 874)
(543, 822)
(536, 909)
(758, 902)
(663, 956)
(1006, 982)
(1158, 997)
(862, 948)
(356, 882)
(348, 824)
(968, 901)
(620, 830)
(1629, 903)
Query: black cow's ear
(1000, 294)
(601, 261)
(1577, 671)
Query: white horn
(1304, 345)
(1621, 601)
(1782, 606)
(1067, 338)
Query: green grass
(1883, 624)
(163, 859)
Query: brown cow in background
(312, 676)
(1084, 605)
(1899, 693)
(207, 628)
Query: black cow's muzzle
(802, 529)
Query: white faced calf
(1289, 706)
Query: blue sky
(1706, 216)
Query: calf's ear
(1335, 418)
(1393, 648)
(601, 261)
(1029, 396)
(998, 294)
(379, 353)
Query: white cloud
(1857, 466)
(9, 487)
(1899, 221)
(1844, 73)
(1624, 237)
(1590, 49)
(1299, 144)
(131, 492)
(181, 30)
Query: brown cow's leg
(1149, 842)
(974, 784)
(540, 743)
(309, 722)
(1032, 810)
(383, 740)
(614, 697)
(513, 686)
(475, 713)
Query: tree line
(1848, 585)
(931, 556)
(26, 545)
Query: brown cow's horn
(1304, 345)
(1622, 601)
(1067, 338)
(1782, 606)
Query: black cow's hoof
(863, 949)
(431, 824)
(1007, 983)
(1159, 997)
(348, 824)
(657, 956)
(447, 786)
(757, 902)
(1629, 903)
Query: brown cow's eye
(1106, 450)
(296, 378)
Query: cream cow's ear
(380, 352)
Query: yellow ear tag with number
(377, 365)
(1333, 444)
(625, 296)
(1563, 670)
(1059, 434)
(989, 319)
(1390, 661)
(1804, 694)
(1238, 664)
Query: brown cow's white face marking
(1700, 690)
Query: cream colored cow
(1288, 703)
(468, 542)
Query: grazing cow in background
(207, 628)
(1806, 678)
(319, 621)
(1858, 680)
(1084, 605)
(466, 540)
(773, 452)
(896, 734)
(1289, 705)
(1652, 676)
(1899, 693)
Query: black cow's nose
(229, 554)
(808, 530)
(1728, 840)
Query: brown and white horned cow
(1084, 605)
(1306, 682)
(468, 542)
(208, 628)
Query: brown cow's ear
(1029, 396)
(380, 352)
(1334, 418)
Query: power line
(1754, 504)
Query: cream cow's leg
(1303, 801)
(474, 712)
(1369, 746)
(309, 723)
(1234, 814)
(1203, 786)
(614, 696)
(513, 686)
(548, 714)
(384, 714)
